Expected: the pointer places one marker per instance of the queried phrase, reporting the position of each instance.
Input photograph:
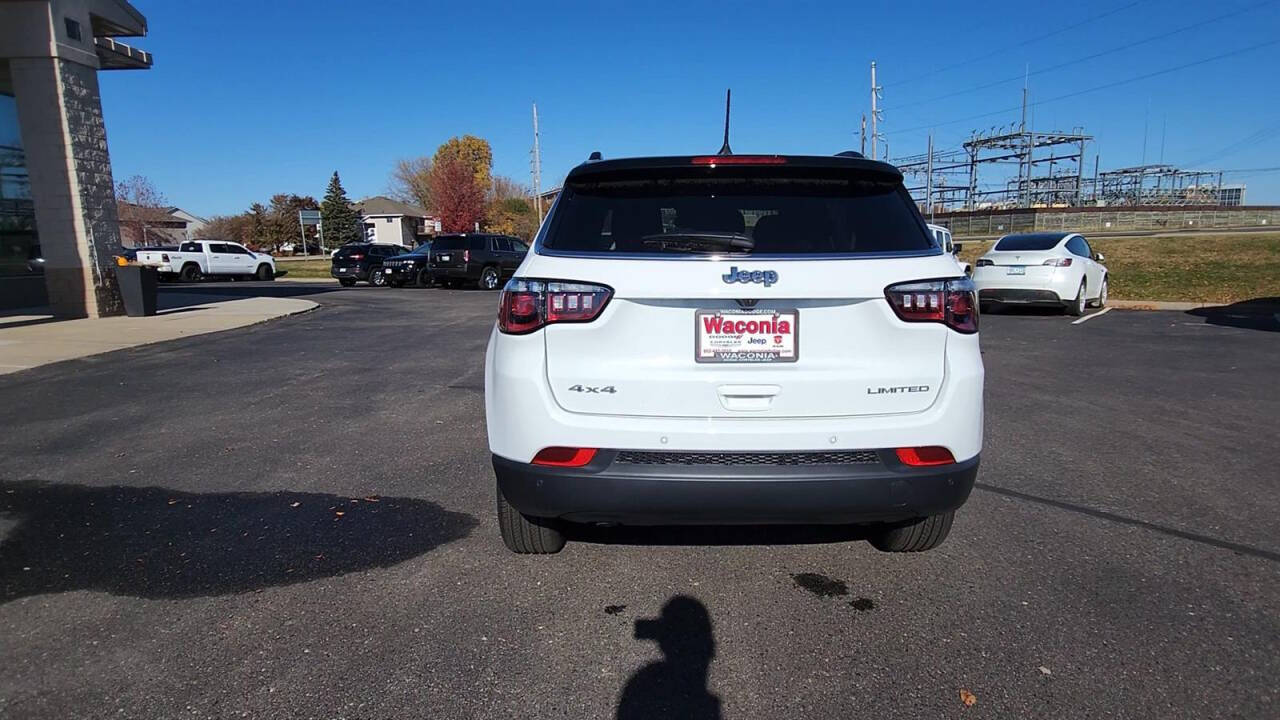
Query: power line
(1024, 43)
(1105, 86)
(1253, 139)
(1085, 58)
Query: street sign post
(310, 217)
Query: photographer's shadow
(676, 686)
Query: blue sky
(247, 99)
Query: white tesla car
(1042, 269)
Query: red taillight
(714, 160)
(466, 256)
(164, 257)
(925, 456)
(356, 256)
(564, 456)
(950, 302)
(527, 305)
(1058, 262)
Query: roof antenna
(724, 149)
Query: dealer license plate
(445, 258)
(1017, 270)
(746, 336)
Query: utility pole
(875, 111)
(1025, 160)
(863, 147)
(928, 183)
(537, 166)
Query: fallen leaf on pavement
(967, 698)
(173, 502)
(294, 504)
(339, 513)
(1045, 670)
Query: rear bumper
(355, 273)
(606, 491)
(1020, 296)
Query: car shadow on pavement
(184, 295)
(676, 685)
(1255, 314)
(152, 542)
(712, 535)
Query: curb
(1159, 305)
(306, 280)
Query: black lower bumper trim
(662, 495)
(1020, 296)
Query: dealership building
(58, 225)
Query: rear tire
(425, 279)
(916, 536)
(489, 278)
(347, 282)
(191, 273)
(527, 535)
(265, 272)
(1076, 307)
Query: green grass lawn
(1195, 268)
(305, 268)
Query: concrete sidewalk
(32, 340)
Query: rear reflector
(564, 456)
(714, 160)
(925, 456)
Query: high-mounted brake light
(1058, 262)
(564, 456)
(714, 160)
(950, 302)
(527, 305)
(924, 456)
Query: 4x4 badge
(768, 277)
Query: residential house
(394, 222)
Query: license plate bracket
(760, 336)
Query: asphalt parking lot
(296, 520)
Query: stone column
(65, 141)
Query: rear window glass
(739, 216)
(1027, 242)
(458, 243)
(348, 250)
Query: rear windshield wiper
(696, 240)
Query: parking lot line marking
(1100, 313)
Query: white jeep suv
(734, 339)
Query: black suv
(410, 268)
(486, 260)
(362, 261)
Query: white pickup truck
(195, 259)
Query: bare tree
(139, 206)
(411, 181)
(504, 188)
